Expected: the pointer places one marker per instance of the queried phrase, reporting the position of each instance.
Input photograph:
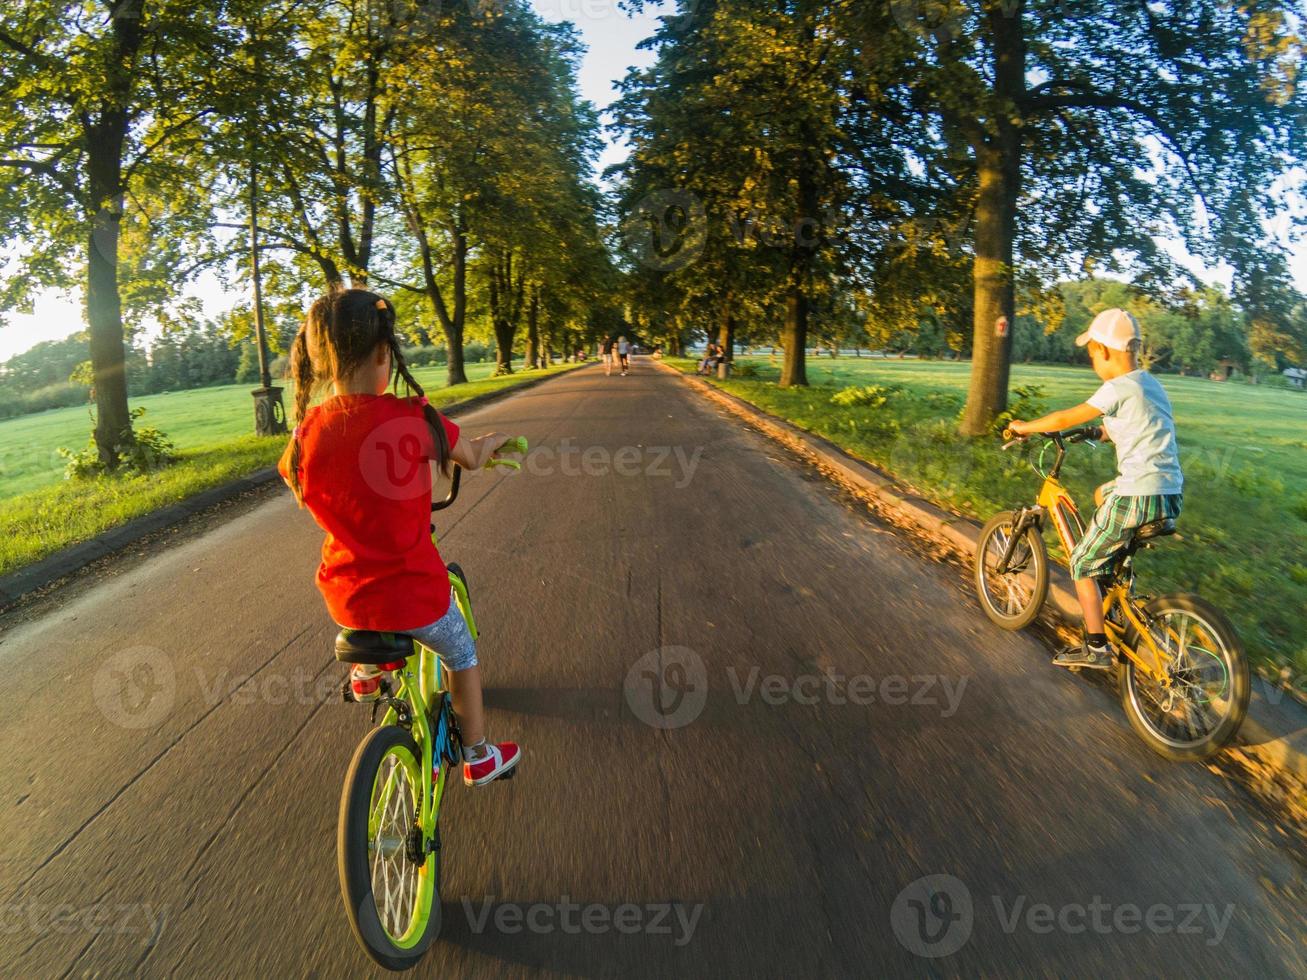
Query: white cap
(1113, 328)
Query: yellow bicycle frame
(1057, 503)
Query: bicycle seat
(1155, 529)
(372, 647)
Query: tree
(491, 152)
(739, 136)
(85, 154)
(1101, 123)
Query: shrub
(866, 396)
(61, 394)
(1299, 508)
(143, 450)
(1028, 404)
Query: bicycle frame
(418, 699)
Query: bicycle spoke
(394, 876)
(1196, 702)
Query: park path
(768, 825)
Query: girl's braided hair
(340, 332)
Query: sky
(611, 36)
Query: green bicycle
(388, 834)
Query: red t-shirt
(366, 479)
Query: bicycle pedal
(508, 775)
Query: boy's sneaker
(498, 761)
(365, 680)
(1084, 655)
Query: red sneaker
(365, 680)
(499, 761)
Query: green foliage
(247, 370)
(865, 396)
(60, 395)
(1029, 403)
(140, 450)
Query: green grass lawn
(1243, 449)
(41, 512)
(196, 419)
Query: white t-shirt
(1137, 416)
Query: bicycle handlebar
(1086, 433)
(514, 446)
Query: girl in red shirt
(362, 462)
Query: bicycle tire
(1012, 619)
(354, 856)
(1239, 678)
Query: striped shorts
(1113, 526)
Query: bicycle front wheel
(390, 886)
(1201, 710)
(1013, 598)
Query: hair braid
(442, 457)
(301, 372)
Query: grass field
(195, 419)
(41, 512)
(1243, 449)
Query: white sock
(477, 752)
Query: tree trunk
(727, 339)
(794, 338)
(105, 137)
(995, 294)
(998, 169)
(456, 375)
(450, 325)
(533, 330)
(798, 304)
(506, 293)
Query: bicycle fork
(1026, 518)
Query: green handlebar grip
(516, 445)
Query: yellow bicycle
(1183, 674)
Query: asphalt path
(764, 736)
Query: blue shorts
(449, 638)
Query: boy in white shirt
(1137, 418)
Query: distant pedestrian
(606, 351)
(624, 354)
(712, 356)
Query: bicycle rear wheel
(1202, 709)
(1012, 599)
(390, 887)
